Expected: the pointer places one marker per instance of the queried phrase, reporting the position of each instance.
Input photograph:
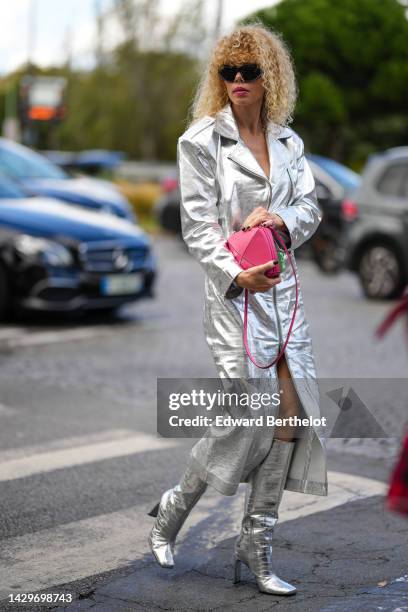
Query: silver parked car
(377, 239)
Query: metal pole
(218, 19)
(32, 14)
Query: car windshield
(346, 177)
(21, 163)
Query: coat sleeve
(303, 215)
(201, 230)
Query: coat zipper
(311, 431)
(269, 203)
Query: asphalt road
(80, 462)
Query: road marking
(66, 453)
(343, 488)
(11, 332)
(30, 338)
(60, 443)
(25, 337)
(6, 410)
(73, 551)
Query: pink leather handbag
(255, 247)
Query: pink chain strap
(264, 367)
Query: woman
(239, 167)
(397, 496)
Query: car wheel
(327, 256)
(4, 294)
(380, 272)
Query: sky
(60, 26)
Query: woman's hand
(260, 216)
(255, 280)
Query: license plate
(115, 284)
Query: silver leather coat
(221, 182)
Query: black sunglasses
(249, 72)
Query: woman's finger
(254, 221)
(256, 214)
(248, 220)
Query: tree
(137, 99)
(351, 60)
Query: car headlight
(52, 252)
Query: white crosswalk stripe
(6, 410)
(21, 337)
(11, 332)
(75, 550)
(25, 462)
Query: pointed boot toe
(171, 512)
(275, 586)
(254, 545)
(162, 552)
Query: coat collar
(226, 125)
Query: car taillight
(349, 210)
(169, 185)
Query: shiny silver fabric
(221, 182)
(254, 545)
(172, 511)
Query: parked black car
(167, 207)
(37, 175)
(377, 240)
(335, 184)
(59, 257)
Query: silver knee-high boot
(254, 545)
(171, 512)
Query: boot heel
(154, 511)
(237, 571)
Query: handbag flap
(252, 247)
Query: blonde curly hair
(250, 43)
